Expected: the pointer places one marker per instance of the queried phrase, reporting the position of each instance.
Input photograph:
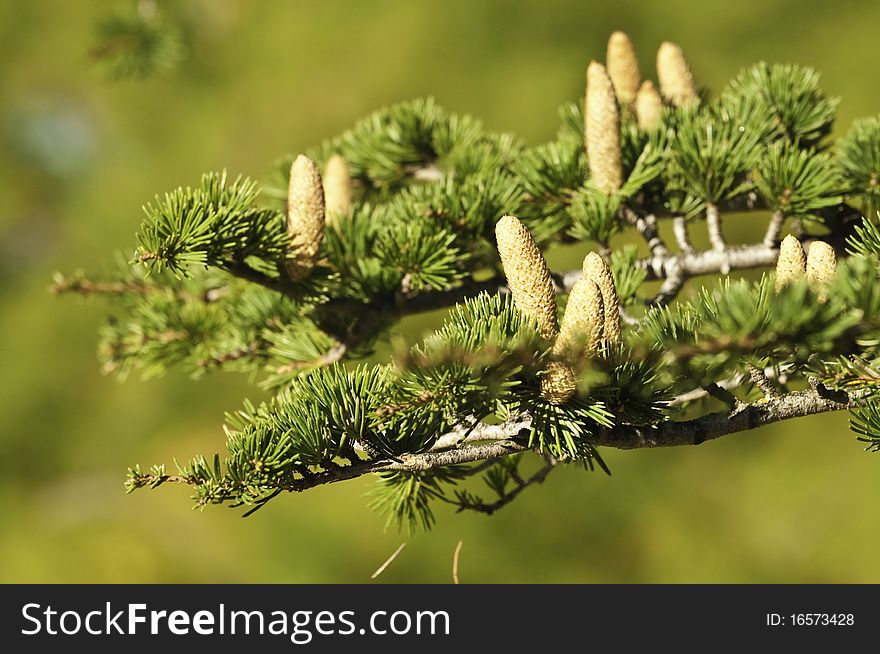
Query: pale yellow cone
(821, 268)
(597, 270)
(792, 262)
(623, 67)
(676, 80)
(305, 218)
(649, 106)
(558, 383)
(337, 188)
(582, 327)
(580, 334)
(602, 118)
(527, 275)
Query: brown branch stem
(741, 418)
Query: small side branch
(722, 395)
(647, 227)
(331, 356)
(774, 229)
(521, 484)
(760, 379)
(85, 286)
(672, 285)
(713, 225)
(682, 236)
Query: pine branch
(508, 438)
(412, 195)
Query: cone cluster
(818, 267)
(618, 86)
(591, 320)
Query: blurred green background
(797, 502)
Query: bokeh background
(796, 502)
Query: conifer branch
(419, 209)
(510, 438)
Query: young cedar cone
(580, 333)
(337, 187)
(676, 80)
(527, 275)
(792, 262)
(597, 270)
(602, 128)
(558, 383)
(821, 266)
(305, 218)
(623, 67)
(583, 323)
(649, 105)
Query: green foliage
(787, 96)
(628, 277)
(467, 206)
(132, 44)
(350, 249)
(865, 239)
(565, 430)
(205, 322)
(714, 151)
(704, 340)
(595, 215)
(471, 365)
(405, 497)
(411, 142)
(858, 157)
(797, 182)
(217, 224)
(551, 175)
(865, 421)
(634, 391)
